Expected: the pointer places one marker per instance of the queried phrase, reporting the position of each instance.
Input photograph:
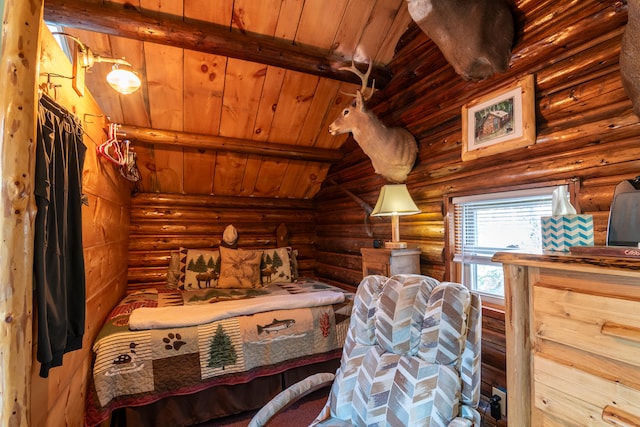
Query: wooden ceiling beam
(236, 145)
(123, 21)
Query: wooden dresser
(388, 262)
(573, 340)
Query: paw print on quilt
(174, 342)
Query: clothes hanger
(130, 169)
(110, 149)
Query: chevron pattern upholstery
(411, 356)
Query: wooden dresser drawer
(604, 326)
(576, 398)
(572, 326)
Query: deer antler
(364, 77)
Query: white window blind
(488, 223)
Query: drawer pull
(616, 330)
(617, 417)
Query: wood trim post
(18, 74)
(518, 336)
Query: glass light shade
(122, 80)
(394, 200)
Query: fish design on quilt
(276, 325)
(125, 363)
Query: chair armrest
(460, 422)
(469, 417)
(289, 396)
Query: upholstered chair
(411, 358)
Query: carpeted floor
(297, 415)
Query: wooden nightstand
(388, 262)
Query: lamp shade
(394, 199)
(123, 80)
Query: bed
(237, 328)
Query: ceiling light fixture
(123, 80)
(121, 77)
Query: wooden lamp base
(395, 242)
(395, 245)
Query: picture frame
(500, 121)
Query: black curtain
(58, 259)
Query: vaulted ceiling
(237, 95)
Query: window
(489, 223)
(60, 39)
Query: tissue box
(560, 232)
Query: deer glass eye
(345, 112)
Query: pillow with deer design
(276, 266)
(239, 268)
(199, 268)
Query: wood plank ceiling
(241, 104)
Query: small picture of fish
(276, 325)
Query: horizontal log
(147, 275)
(168, 243)
(492, 354)
(568, 163)
(206, 201)
(583, 97)
(492, 376)
(416, 230)
(355, 215)
(214, 229)
(342, 275)
(149, 258)
(222, 215)
(164, 228)
(122, 21)
(437, 271)
(220, 143)
(351, 262)
(546, 46)
(495, 324)
(346, 246)
(595, 198)
(609, 180)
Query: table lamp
(394, 200)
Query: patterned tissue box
(560, 232)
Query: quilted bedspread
(133, 368)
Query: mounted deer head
(475, 36)
(392, 150)
(630, 55)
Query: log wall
(59, 399)
(587, 135)
(161, 223)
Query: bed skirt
(217, 402)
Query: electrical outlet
(496, 391)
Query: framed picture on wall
(500, 121)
